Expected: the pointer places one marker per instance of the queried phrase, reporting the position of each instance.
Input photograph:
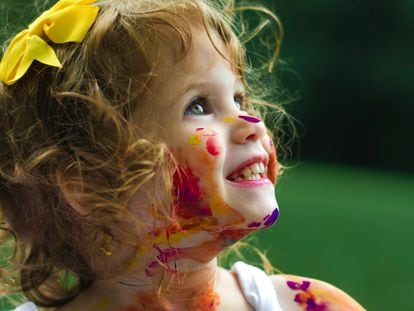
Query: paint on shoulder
(300, 293)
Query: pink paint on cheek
(212, 146)
(250, 119)
(189, 202)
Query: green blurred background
(347, 202)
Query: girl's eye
(239, 101)
(199, 106)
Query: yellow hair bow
(66, 21)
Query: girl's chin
(259, 215)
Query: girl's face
(226, 162)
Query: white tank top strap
(28, 306)
(257, 287)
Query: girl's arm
(299, 293)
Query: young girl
(132, 155)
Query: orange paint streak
(273, 166)
(207, 300)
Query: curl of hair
(72, 124)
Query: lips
(250, 170)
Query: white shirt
(257, 287)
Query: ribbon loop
(67, 21)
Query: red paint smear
(212, 146)
(254, 225)
(188, 202)
(207, 300)
(165, 256)
(199, 129)
(250, 119)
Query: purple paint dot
(298, 286)
(250, 119)
(254, 224)
(271, 219)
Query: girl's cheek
(273, 166)
(205, 139)
(213, 146)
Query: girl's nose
(246, 128)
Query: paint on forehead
(199, 129)
(250, 119)
(212, 146)
(271, 219)
(229, 120)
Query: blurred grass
(347, 226)
(350, 227)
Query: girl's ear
(70, 192)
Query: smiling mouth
(252, 172)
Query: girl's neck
(185, 289)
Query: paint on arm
(299, 293)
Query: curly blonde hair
(72, 124)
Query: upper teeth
(251, 172)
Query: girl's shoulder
(301, 293)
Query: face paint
(254, 225)
(250, 119)
(164, 257)
(267, 220)
(189, 198)
(273, 165)
(194, 139)
(212, 147)
(271, 219)
(229, 120)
